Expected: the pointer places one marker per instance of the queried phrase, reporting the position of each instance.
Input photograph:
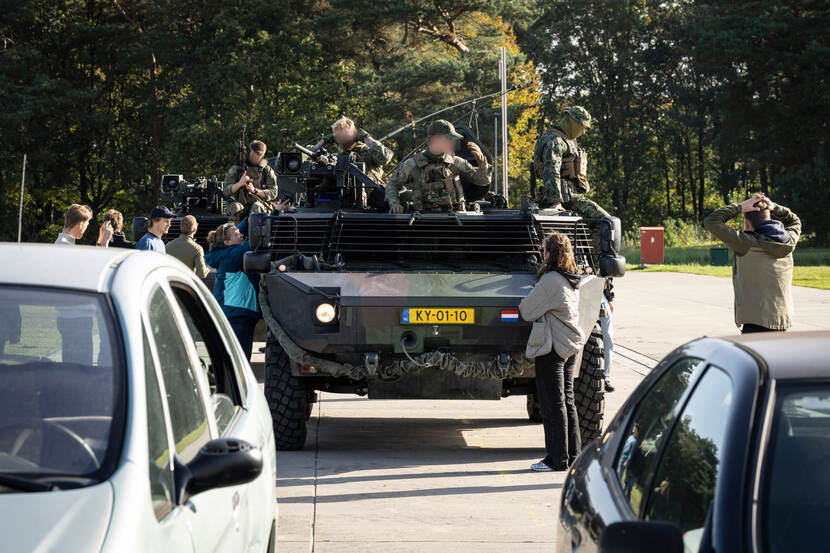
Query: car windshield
(797, 498)
(61, 391)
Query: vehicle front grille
(308, 235)
(434, 238)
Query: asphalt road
(438, 476)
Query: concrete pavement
(453, 475)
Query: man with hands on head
(762, 264)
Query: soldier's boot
(588, 209)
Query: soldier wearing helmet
(432, 177)
(561, 165)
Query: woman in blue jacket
(235, 290)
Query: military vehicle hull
(398, 333)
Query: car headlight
(325, 313)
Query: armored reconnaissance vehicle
(418, 305)
(201, 197)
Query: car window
(796, 500)
(188, 417)
(645, 432)
(161, 475)
(61, 385)
(684, 484)
(234, 351)
(213, 356)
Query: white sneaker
(540, 467)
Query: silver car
(129, 418)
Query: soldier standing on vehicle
(562, 166)
(366, 149)
(434, 175)
(254, 189)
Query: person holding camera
(114, 220)
(762, 264)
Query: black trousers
(555, 392)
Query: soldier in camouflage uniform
(255, 191)
(350, 139)
(432, 177)
(561, 165)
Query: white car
(130, 419)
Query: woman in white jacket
(553, 307)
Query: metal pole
(504, 120)
(20, 214)
(496, 154)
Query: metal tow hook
(371, 359)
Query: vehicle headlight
(325, 313)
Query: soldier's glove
(476, 151)
(395, 208)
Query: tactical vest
(435, 185)
(574, 163)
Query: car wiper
(22, 484)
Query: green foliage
(696, 104)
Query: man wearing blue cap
(157, 227)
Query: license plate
(438, 315)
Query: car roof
(87, 268)
(790, 355)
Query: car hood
(65, 521)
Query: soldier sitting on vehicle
(254, 187)
(433, 176)
(366, 149)
(562, 166)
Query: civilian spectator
(157, 226)
(185, 249)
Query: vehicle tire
(534, 412)
(287, 399)
(589, 389)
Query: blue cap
(161, 211)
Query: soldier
(433, 176)
(350, 139)
(254, 190)
(562, 165)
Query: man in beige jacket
(185, 249)
(762, 265)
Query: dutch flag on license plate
(510, 316)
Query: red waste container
(651, 244)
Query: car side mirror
(610, 235)
(220, 463)
(611, 266)
(641, 537)
(259, 230)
